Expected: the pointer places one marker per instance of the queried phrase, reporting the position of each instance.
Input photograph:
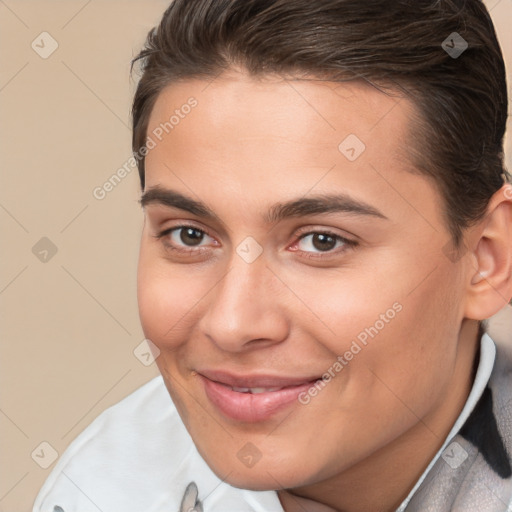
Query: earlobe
(490, 283)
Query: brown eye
(191, 236)
(323, 242)
(320, 242)
(182, 237)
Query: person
(328, 226)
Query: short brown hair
(392, 44)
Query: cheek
(340, 308)
(414, 356)
(385, 322)
(168, 299)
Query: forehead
(281, 137)
(306, 109)
(312, 121)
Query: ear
(489, 287)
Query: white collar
(483, 373)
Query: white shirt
(137, 456)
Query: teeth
(254, 391)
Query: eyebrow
(301, 207)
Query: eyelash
(347, 244)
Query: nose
(245, 310)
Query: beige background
(70, 324)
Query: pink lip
(250, 407)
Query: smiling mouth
(252, 403)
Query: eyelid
(183, 224)
(308, 230)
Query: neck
(383, 480)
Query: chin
(263, 476)
(257, 481)
(251, 483)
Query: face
(293, 277)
